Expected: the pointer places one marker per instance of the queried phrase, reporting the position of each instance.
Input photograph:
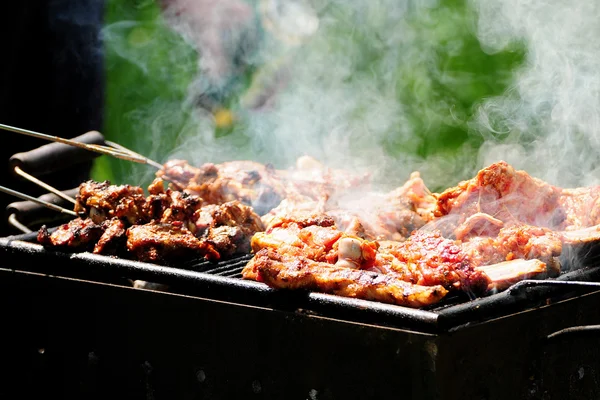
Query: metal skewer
(38, 201)
(116, 151)
(49, 188)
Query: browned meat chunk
(514, 196)
(102, 201)
(112, 241)
(166, 243)
(299, 272)
(228, 227)
(78, 235)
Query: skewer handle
(56, 156)
(29, 213)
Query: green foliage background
(149, 67)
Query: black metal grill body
(73, 329)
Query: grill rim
(22, 251)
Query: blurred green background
(426, 54)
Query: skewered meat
(101, 201)
(260, 186)
(114, 236)
(162, 243)
(156, 228)
(77, 235)
(228, 227)
(252, 183)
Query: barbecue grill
(76, 328)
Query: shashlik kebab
(164, 226)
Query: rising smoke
(547, 123)
(391, 87)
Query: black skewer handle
(56, 156)
(28, 212)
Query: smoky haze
(547, 122)
(371, 86)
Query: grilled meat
(425, 259)
(77, 235)
(155, 228)
(510, 196)
(298, 272)
(163, 243)
(101, 201)
(257, 185)
(252, 183)
(391, 216)
(228, 227)
(114, 236)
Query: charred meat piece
(251, 183)
(78, 235)
(101, 201)
(166, 206)
(295, 272)
(113, 239)
(166, 243)
(228, 227)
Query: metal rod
(49, 188)
(126, 150)
(12, 219)
(530, 283)
(129, 156)
(575, 329)
(38, 201)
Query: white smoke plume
(547, 123)
(379, 106)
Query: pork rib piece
(297, 272)
(425, 259)
(510, 196)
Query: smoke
(547, 122)
(365, 86)
(388, 87)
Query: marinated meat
(511, 196)
(112, 241)
(297, 272)
(77, 235)
(164, 243)
(122, 221)
(101, 201)
(425, 259)
(251, 183)
(228, 227)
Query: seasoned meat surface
(165, 243)
(156, 228)
(509, 195)
(77, 235)
(298, 272)
(425, 259)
